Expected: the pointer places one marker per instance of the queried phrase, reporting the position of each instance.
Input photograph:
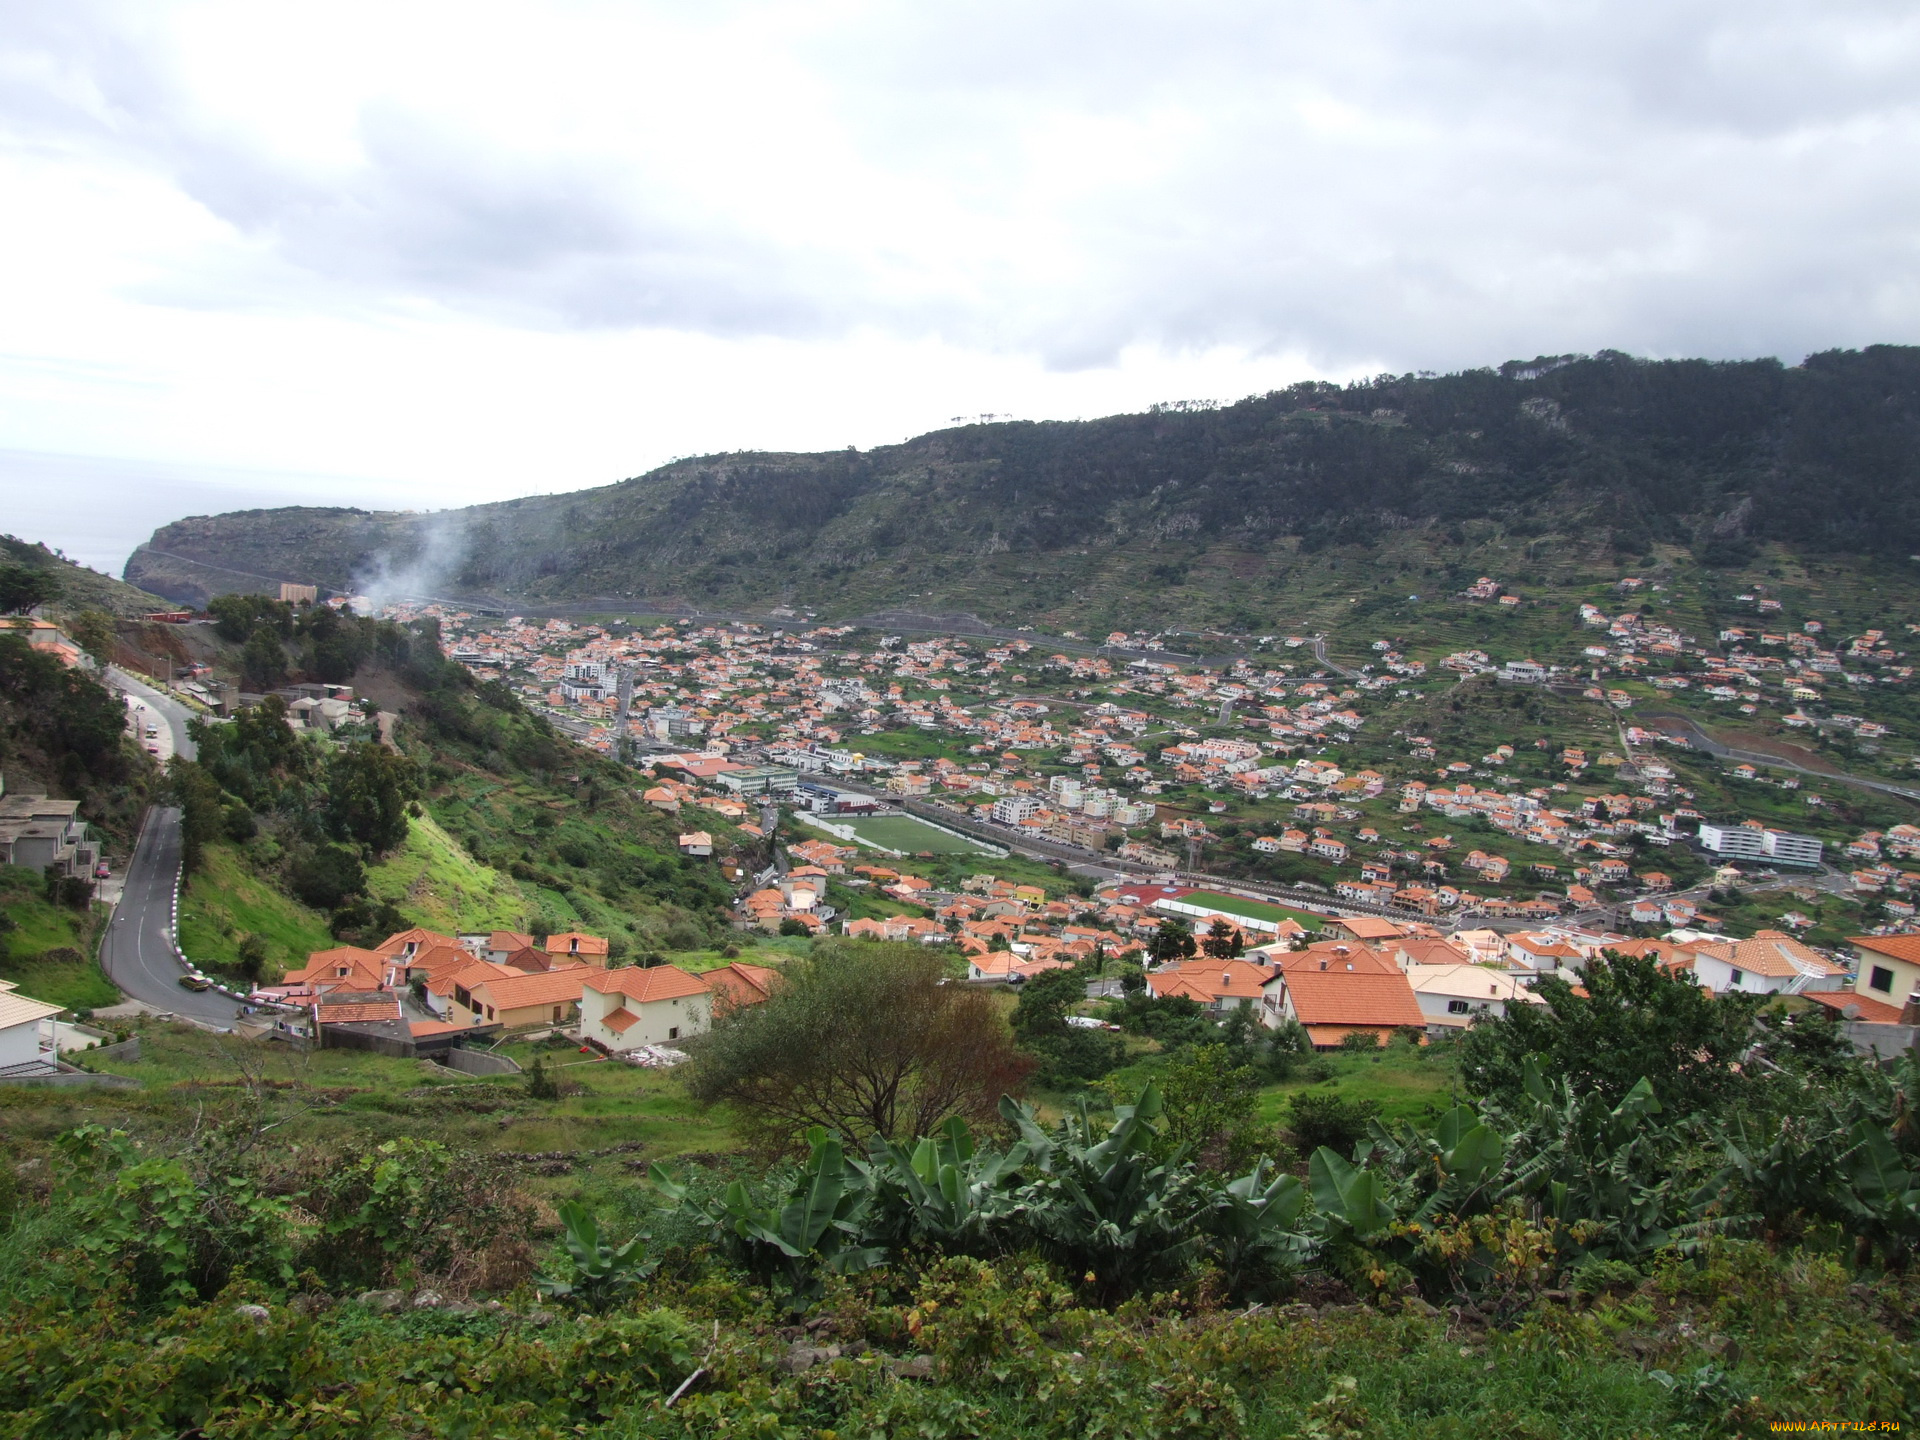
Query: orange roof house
(408, 942)
(1215, 984)
(346, 967)
(1366, 927)
(577, 945)
(632, 1007)
(519, 1000)
(738, 983)
(1334, 1004)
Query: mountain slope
(78, 588)
(1212, 513)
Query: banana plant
(944, 1192)
(1351, 1201)
(1108, 1210)
(1775, 1182)
(600, 1274)
(1457, 1165)
(1254, 1227)
(818, 1228)
(1577, 1159)
(1883, 1197)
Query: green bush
(1317, 1118)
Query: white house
(625, 1009)
(1768, 963)
(20, 1018)
(1452, 997)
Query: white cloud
(485, 248)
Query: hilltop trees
(24, 586)
(368, 790)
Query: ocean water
(96, 510)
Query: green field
(910, 836)
(1252, 909)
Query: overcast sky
(422, 254)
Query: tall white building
(1012, 809)
(1752, 842)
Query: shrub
(1324, 1117)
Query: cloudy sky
(417, 254)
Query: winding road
(1705, 743)
(137, 951)
(172, 711)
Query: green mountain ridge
(1182, 514)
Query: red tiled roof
(1369, 927)
(1337, 955)
(660, 982)
(1900, 947)
(540, 988)
(619, 1021)
(323, 965)
(435, 958)
(420, 1029)
(358, 1010)
(1213, 979)
(1341, 997)
(394, 944)
(1874, 1012)
(1772, 953)
(473, 973)
(741, 984)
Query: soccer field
(910, 836)
(1251, 909)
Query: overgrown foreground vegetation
(1556, 1260)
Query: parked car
(101, 871)
(196, 982)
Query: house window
(1880, 978)
(673, 1032)
(489, 1012)
(1739, 978)
(1458, 1007)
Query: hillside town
(1278, 766)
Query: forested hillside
(1198, 512)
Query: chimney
(1910, 1012)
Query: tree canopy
(863, 1039)
(1634, 1019)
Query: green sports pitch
(1251, 909)
(910, 837)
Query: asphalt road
(137, 952)
(172, 711)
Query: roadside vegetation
(265, 1242)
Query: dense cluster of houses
(806, 696)
(420, 992)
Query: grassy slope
(375, 1098)
(80, 587)
(434, 882)
(229, 900)
(40, 928)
